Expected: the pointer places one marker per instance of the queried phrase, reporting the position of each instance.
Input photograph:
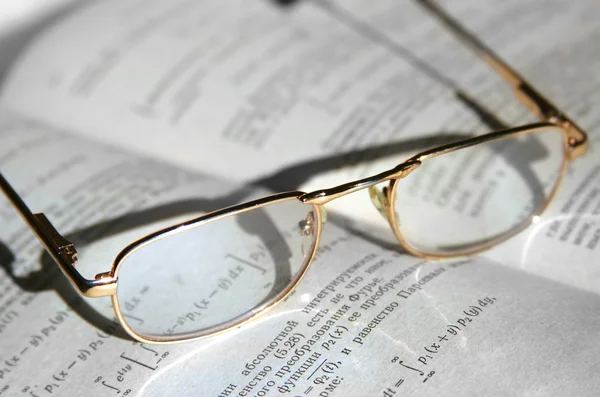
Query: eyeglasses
(456, 199)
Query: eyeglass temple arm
(60, 249)
(525, 93)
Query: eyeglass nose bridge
(320, 197)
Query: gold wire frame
(105, 284)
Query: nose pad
(307, 228)
(307, 225)
(379, 197)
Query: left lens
(216, 274)
(471, 198)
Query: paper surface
(367, 319)
(245, 82)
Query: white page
(360, 311)
(224, 85)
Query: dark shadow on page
(292, 177)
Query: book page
(366, 320)
(226, 86)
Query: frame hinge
(578, 142)
(55, 240)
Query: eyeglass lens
(216, 273)
(463, 200)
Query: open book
(125, 116)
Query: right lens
(466, 200)
(200, 279)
